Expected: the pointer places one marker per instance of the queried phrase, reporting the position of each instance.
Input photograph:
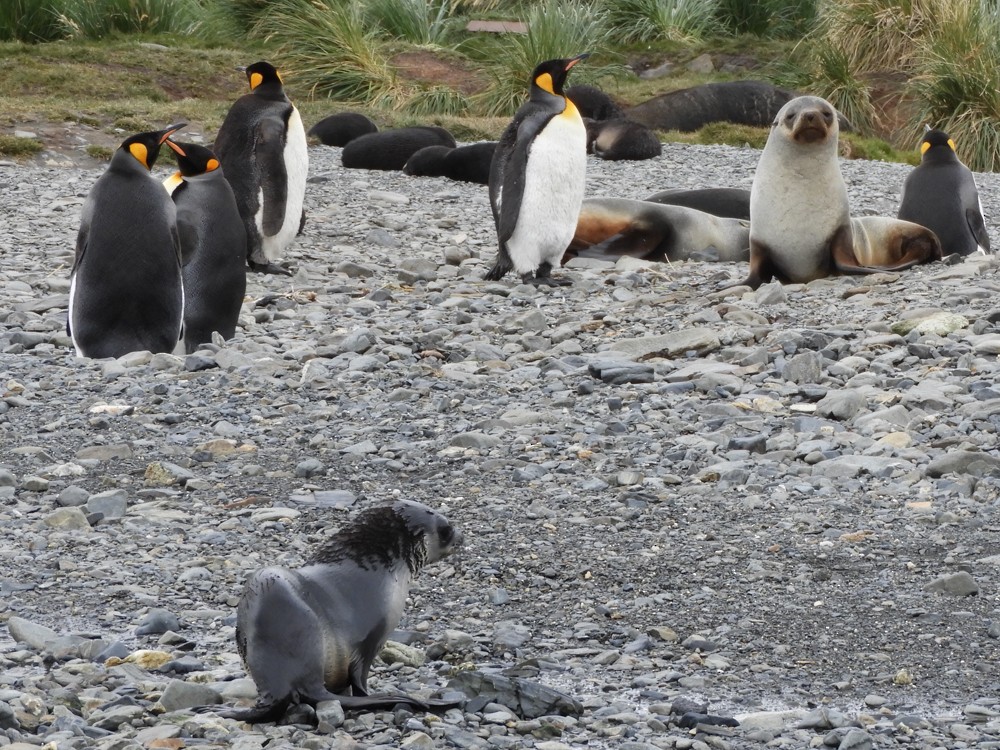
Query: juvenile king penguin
(941, 195)
(537, 178)
(262, 147)
(213, 245)
(125, 290)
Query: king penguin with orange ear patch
(537, 179)
(213, 245)
(125, 291)
(262, 147)
(941, 194)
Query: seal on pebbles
(310, 634)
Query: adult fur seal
(733, 203)
(311, 634)
(800, 224)
(465, 163)
(621, 140)
(612, 227)
(342, 128)
(390, 149)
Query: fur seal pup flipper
(311, 634)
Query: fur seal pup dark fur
(609, 228)
(733, 203)
(390, 149)
(621, 140)
(593, 103)
(342, 128)
(464, 163)
(310, 634)
(800, 224)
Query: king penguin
(262, 147)
(125, 291)
(940, 194)
(213, 244)
(537, 178)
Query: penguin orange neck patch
(256, 79)
(140, 152)
(212, 165)
(544, 82)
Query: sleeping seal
(310, 634)
(612, 227)
(800, 223)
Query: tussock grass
(767, 18)
(556, 29)
(832, 77)
(30, 21)
(19, 147)
(676, 20)
(423, 22)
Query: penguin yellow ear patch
(140, 152)
(924, 145)
(212, 165)
(256, 79)
(951, 143)
(544, 82)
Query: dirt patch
(430, 69)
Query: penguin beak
(176, 149)
(170, 130)
(575, 60)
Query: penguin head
(550, 76)
(192, 159)
(262, 73)
(938, 141)
(144, 147)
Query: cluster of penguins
(154, 267)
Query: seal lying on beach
(310, 634)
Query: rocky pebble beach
(693, 518)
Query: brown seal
(310, 634)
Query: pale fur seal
(800, 223)
(612, 227)
(310, 634)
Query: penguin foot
(276, 269)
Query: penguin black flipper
(978, 227)
(269, 148)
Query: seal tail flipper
(915, 250)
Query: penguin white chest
(554, 181)
(296, 159)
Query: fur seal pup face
(310, 634)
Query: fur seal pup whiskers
(310, 634)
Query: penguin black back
(213, 245)
(125, 285)
(941, 194)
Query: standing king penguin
(941, 195)
(262, 147)
(537, 179)
(125, 291)
(213, 245)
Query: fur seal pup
(884, 241)
(262, 147)
(621, 140)
(733, 203)
(612, 227)
(390, 149)
(941, 194)
(342, 128)
(537, 178)
(800, 224)
(593, 103)
(125, 291)
(465, 163)
(310, 634)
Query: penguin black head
(192, 159)
(935, 138)
(144, 147)
(550, 76)
(261, 73)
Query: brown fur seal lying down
(733, 203)
(800, 224)
(612, 227)
(310, 634)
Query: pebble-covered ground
(779, 506)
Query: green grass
(647, 20)
(19, 147)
